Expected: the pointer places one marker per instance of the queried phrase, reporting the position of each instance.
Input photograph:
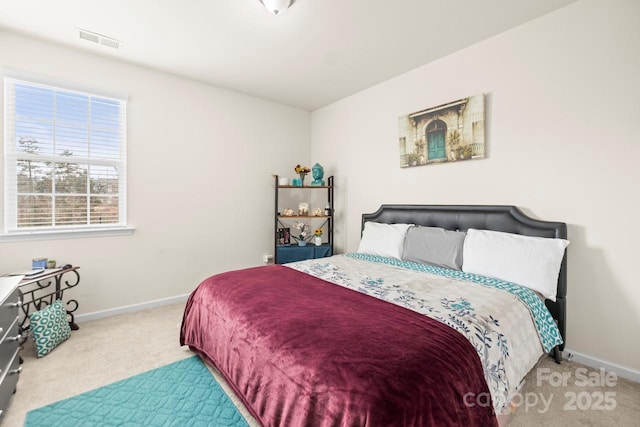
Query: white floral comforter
(508, 325)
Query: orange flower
(301, 169)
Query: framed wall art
(449, 132)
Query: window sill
(65, 234)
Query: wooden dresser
(10, 301)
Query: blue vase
(302, 243)
(296, 182)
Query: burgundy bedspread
(300, 351)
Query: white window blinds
(65, 159)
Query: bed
(366, 339)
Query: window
(65, 159)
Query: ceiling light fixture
(277, 7)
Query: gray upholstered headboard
(509, 219)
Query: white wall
(200, 191)
(563, 122)
(562, 129)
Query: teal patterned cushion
(49, 327)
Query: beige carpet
(111, 349)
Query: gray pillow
(435, 246)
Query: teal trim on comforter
(545, 324)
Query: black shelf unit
(281, 221)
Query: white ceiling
(316, 53)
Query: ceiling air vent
(99, 39)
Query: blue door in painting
(436, 140)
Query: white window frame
(10, 194)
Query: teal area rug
(183, 393)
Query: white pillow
(385, 240)
(533, 262)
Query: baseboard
(621, 371)
(130, 308)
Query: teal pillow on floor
(49, 327)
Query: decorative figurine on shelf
(317, 237)
(317, 171)
(302, 228)
(303, 209)
(283, 236)
(317, 212)
(287, 212)
(302, 171)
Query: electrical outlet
(267, 258)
